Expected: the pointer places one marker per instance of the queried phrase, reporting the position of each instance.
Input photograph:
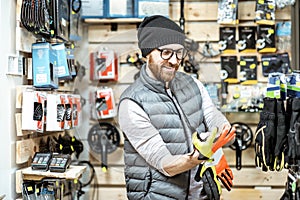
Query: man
(159, 113)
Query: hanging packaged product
(103, 103)
(248, 70)
(56, 112)
(104, 65)
(59, 57)
(71, 61)
(75, 31)
(69, 109)
(60, 23)
(227, 42)
(247, 41)
(145, 8)
(228, 12)
(283, 3)
(293, 85)
(229, 69)
(265, 12)
(76, 113)
(44, 75)
(277, 86)
(266, 42)
(33, 110)
(283, 35)
(275, 63)
(93, 9)
(213, 91)
(117, 8)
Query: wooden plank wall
(201, 26)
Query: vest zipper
(189, 125)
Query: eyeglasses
(166, 54)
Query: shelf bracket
(114, 27)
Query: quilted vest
(142, 180)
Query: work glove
(226, 136)
(207, 148)
(224, 173)
(211, 185)
(204, 146)
(265, 136)
(293, 133)
(217, 168)
(281, 137)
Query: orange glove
(224, 173)
(226, 136)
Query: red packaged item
(104, 65)
(104, 104)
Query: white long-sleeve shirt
(147, 141)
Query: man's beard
(165, 72)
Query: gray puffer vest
(142, 180)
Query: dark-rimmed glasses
(166, 54)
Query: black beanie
(156, 31)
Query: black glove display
(293, 133)
(265, 136)
(281, 137)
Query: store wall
(201, 25)
(7, 107)
(109, 184)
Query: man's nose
(173, 59)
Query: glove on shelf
(265, 136)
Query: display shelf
(73, 172)
(112, 20)
(252, 118)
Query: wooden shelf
(112, 20)
(73, 172)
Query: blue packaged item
(59, 58)
(277, 86)
(293, 85)
(43, 70)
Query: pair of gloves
(271, 136)
(215, 169)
